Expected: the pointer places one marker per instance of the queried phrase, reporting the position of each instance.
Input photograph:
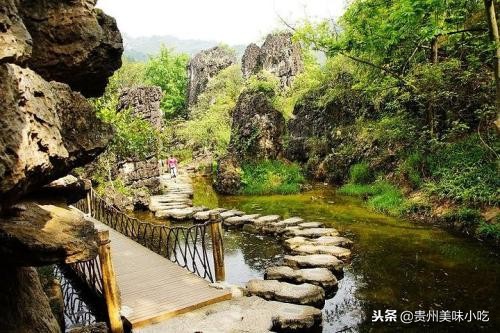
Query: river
(397, 265)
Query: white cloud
(228, 21)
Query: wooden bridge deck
(152, 287)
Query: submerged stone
(304, 294)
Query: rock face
(144, 103)
(73, 43)
(204, 66)
(15, 41)
(47, 130)
(50, 52)
(228, 176)
(257, 128)
(278, 55)
(141, 173)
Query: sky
(227, 21)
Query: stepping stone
(179, 214)
(267, 219)
(290, 222)
(231, 213)
(316, 261)
(292, 243)
(239, 221)
(318, 276)
(303, 294)
(309, 232)
(205, 215)
(337, 251)
(310, 225)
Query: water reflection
(397, 265)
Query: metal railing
(185, 246)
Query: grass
(381, 196)
(360, 173)
(487, 230)
(271, 177)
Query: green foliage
(360, 173)
(264, 82)
(133, 136)
(168, 71)
(382, 196)
(271, 177)
(489, 230)
(464, 171)
(209, 126)
(410, 169)
(465, 215)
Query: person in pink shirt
(172, 165)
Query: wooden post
(89, 202)
(110, 288)
(217, 246)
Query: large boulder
(278, 55)
(204, 66)
(47, 130)
(15, 40)
(257, 128)
(144, 103)
(73, 43)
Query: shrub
(489, 230)
(464, 172)
(382, 196)
(360, 173)
(271, 177)
(263, 82)
(410, 169)
(465, 215)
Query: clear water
(396, 264)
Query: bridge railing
(186, 246)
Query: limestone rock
(239, 221)
(245, 314)
(314, 261)
(144, 103)
(25, 307)
(304, 294)
(46, 234)
(47, 130)
(324, 240)
(140, 173)
(309, 232)
(228, 176)
(68, 187)
(318, 276)
(15, 40)
(73, 43)
(204, 66)
(278, 55)
(257, 128)
(333, 250)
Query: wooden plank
(151, 286)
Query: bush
(382, 196)
(360, 173)
(464, 172)
(488, 230)
(465, 215)
(410, 169)
(271, 177)
(263, 82)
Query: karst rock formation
(53, 54)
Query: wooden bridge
(140, 285)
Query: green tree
(168, 70)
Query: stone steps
(179, 214)
(294, 242)
(321, 277)
(302, 294)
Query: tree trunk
(495, 38)
(435, 49)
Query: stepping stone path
(308, 275)
(303, 294)
(318, 276)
